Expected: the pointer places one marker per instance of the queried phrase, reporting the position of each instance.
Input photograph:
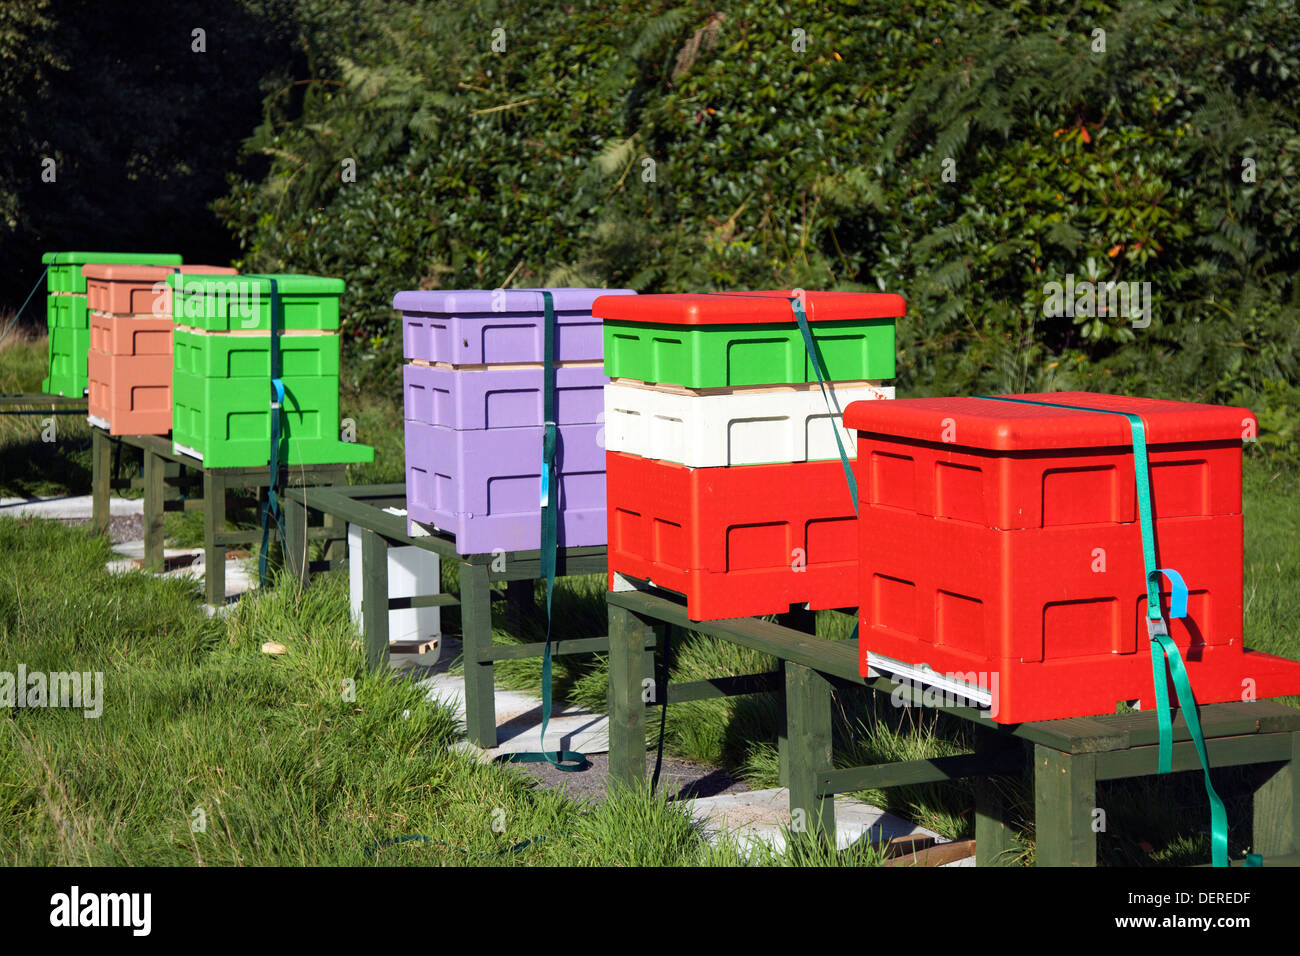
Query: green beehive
(222, 369)
(66, 311)
(67, 356)
(249, 356)
(243, 303)
(715, 356)
(65, 267)
(227, 422)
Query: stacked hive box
(474, 415)
(130, 361)
(221, 371)
(68, 315)
(1015, 563)
(724, 477)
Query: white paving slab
(72, 506)
(239, 577)
(759, 816)
(519, 720)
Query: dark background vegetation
(773, 168)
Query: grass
(210, 752)
(288, 771)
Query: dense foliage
(967, 155)
(121, 123)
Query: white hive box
(411, 572)
(714, 428)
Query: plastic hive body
(724, 477)
(131, 341)
(1014, 547)
(473, 395)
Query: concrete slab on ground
(184, 562)
(757, 816)
(71, 506)
(519, 720)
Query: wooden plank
(153, 512)
(295, 544)
(214, 551)
(715, 687)
(808, 726)
(1276, 808)
(576, 645)
(566, 564)
(476, 635)
(391, 490)
(41, 402)
(374, 598)
(995, 841)
(1118, 731)
(101, 475)
(938, 854)
(1221, 751)
(520, 605)
(628, 635)
(586, 551)
(1065, 797)
(423, 600)
(910, 772)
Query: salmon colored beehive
(131, 334)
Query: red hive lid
(1008, 426)
(736, 308)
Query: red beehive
(1014, 551)
(129, 365)
(739, 541)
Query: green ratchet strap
(811, 347)
(272, 504)
(1162, 646)
(566, 760)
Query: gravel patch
(121, 528)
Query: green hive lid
(286, 283)
(140, 258)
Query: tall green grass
(211, 752)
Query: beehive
(724, 476)
(130, 361)
(221, 370)
(68, 315)
(474, 399)
(1015, 549)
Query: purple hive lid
(480, 301)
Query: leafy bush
(961, 155)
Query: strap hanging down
(1163, 648)
(271, 507)
(566, 760)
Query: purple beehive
(499, 326)
(501, 397)
(473, 433)
(484, 485)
